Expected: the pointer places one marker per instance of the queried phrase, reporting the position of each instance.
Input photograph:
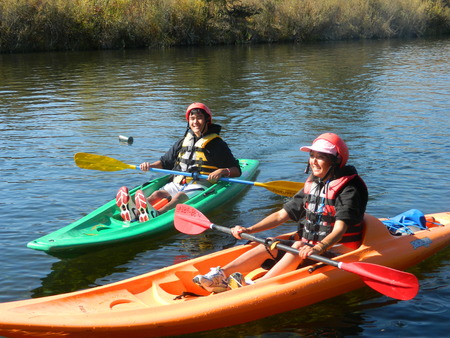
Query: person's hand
(238, 230)
(145, 166)
(215, 176)
(306, 250)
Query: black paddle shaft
(278, 245)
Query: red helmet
(340, 145)
(330, 143)
(200, 106)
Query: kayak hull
(148, 305)
(104, 225)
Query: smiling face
(319, 163)
(197, 123)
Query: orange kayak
(167, 302)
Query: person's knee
(261, 250)
(157, 195)
(180, 198)
(297, 245)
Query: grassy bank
(37, 25)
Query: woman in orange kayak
(201, 150)
(329, 210)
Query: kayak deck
(153, 304)
(104, 225)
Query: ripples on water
(389, 101)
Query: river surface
(390, 101)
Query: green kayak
(104, 226)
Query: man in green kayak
(201, 150)
(329, 210)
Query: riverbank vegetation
(42, 25)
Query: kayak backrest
(374, 231)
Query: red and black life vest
(319, 202)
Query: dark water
(389, 100)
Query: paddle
(390, 282)
(104, 163)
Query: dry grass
(30, 25)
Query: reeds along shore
(43, 25)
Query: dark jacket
(216, 151)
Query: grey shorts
(190, 189)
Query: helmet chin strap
(328, 173)
(330, 169)
(205, 128)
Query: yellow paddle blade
(99, 162)
(283, 188)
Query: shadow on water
(77, 272)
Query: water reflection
(87, 270)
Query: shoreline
(58, 25)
